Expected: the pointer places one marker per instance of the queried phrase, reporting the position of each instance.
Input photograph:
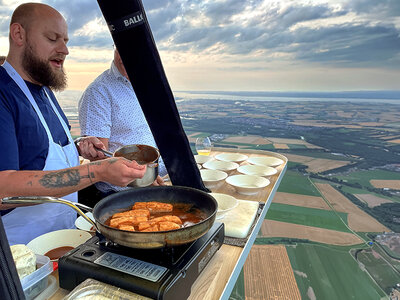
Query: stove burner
(166, 273)
(166, 256)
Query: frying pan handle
(45, 199)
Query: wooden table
(219, 277)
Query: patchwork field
(372, 200)
(272, 279)
(272, 228)
(329, 274)
(281, 146)
(384, 275)
(249, 139)
(75, 129)
(381, 184)
(307, 216)
(358, 220)
(300, 200)
(365, 178)
(321, 124)
(295, 183)
(280, 141)
(317, 165)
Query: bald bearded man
(39, 157)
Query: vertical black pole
(132, 35)
(10, 284)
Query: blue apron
(25, 223)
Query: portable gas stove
(166, 273)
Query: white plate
(268, 161)
(234, 157)
(59, 238)
(201, 159)
(211, 178)
(247, 184)
(221, 165)
(82, 224)
(257, 170)
(225, 203)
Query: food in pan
(156, 216)
(155, 207)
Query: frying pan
(123, 201)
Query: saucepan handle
(45, 199)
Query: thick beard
(40, 71)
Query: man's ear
(17, 34)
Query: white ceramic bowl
(268, 161)
(201, 159)
(56, 239)
(212, 178)
(225, 203)
(82, 224)
(247, 184)
(257, 170)
(235, 157)
(225, 166)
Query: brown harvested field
(317, 165)
(249, 139)
(270, 228)
(381, 184)
(300, 200)
(318, 124)
(358, 220)
(372, 200)
(293, 142)
(373, 124)
(390, 137)
(281, 146)
(287, 141)
(273, 278)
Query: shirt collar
(116, 72)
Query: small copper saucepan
(143, 155)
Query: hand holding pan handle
(110, 154)
(45, 199)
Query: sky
(246, 45)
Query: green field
(332, 274)
(363, 177)
(307, 216)
(297, 146)
(353, 191)
(380, 270)
(296, 183)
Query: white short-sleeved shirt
(110, 109)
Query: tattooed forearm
(61, 179)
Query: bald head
(26, 14)
(38, 44)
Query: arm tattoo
(61, 179)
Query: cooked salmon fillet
(144, 225)
(151, 228)
(136, 212)
(130, 220)
(126, 227)
(168, 218)
(164, 226)
(153, 207)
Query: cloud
(350, 33)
